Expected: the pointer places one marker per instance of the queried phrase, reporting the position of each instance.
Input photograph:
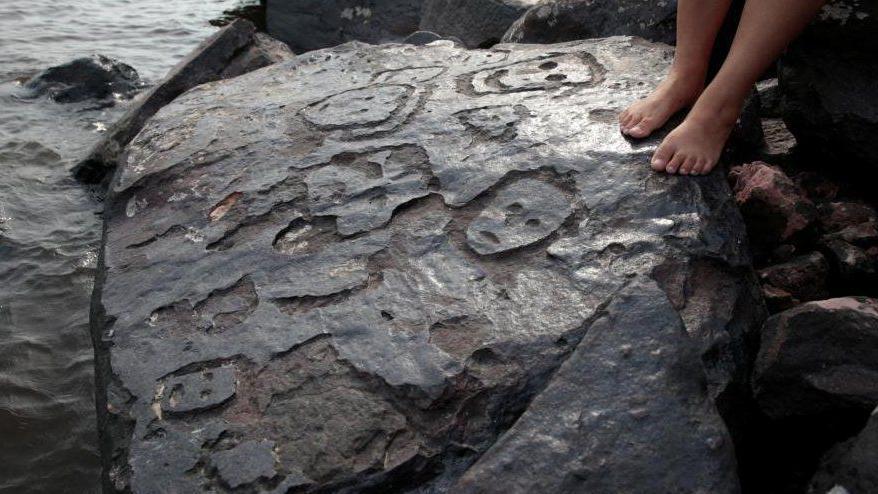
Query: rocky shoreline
(428, 268)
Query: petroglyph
(354, 272)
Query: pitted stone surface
(199, 391)
(300, 285)
(522, 213)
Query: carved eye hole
(549, 65)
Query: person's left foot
(695, 146)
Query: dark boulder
(400, 252)
(229, 52)
(96, 77)
(478, 23)
(774, 207)
(308, 25)
(827, 81)
(565, 20)
(852, 466)
(805, 277)
(262, 51)
(819, 358)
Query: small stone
(779, 142)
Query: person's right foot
(676, 92)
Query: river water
(50, 225)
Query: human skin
(695, 146)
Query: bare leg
(766, 27)
(698, 22)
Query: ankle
(687, 74)
(710, 109)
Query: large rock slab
(827, 84)
(370, 260)
(313, 24)
(478, 23)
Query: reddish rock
(804, 277)
(775, 209)
(836, 216)
(820, 357)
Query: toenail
(658, 162)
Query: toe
(675, 163)
(709, 165)
(698, 169)
(688, 165)
(662, 155)
(630, 122)
(643, 128)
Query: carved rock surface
(478, 23)
(829, 98)
(313, 24)
(395, 249)
(553, 21)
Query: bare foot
(674, 93)
(695, 146)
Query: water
(50, 225)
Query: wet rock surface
(819, 358)
(231, 51)
(308, 25)
(827, 84)
(355, 271)
(96, 77)
(479, 23)
(564, 20)
(635, 393)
